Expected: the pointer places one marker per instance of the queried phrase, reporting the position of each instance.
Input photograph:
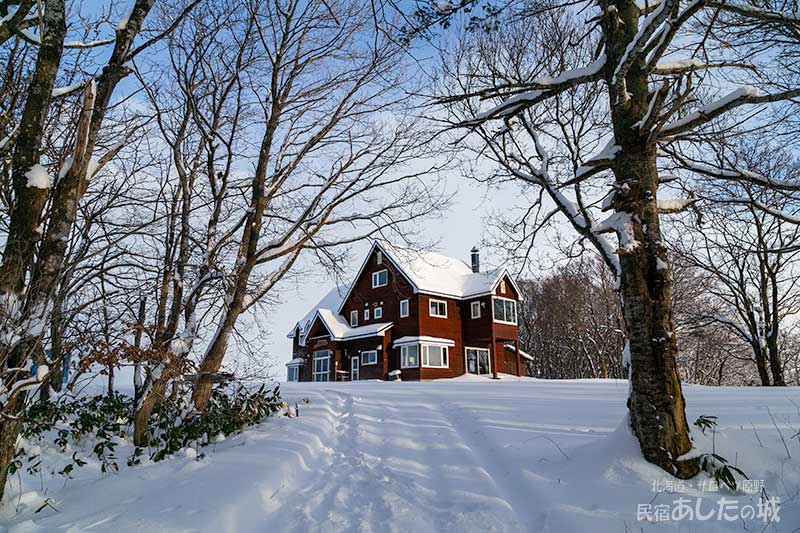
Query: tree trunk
(656, 403)
(212, 362)
(656, 400)
(775, 363)
(141, 418)
(761, 363)
(9, 430)
(22, 231)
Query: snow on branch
(544, 88)
(743, 95)
(598, 162)
(35, 39)
(620, 223)
(752, 11)
(637, 44)
(69, 89)
(578, 217)
(737, 174)
(682, 66)
(675, 206)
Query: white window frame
(477, 349)
(424, 356)
(293, 369)
(379, 257)
(404, 302)
(377, 313)
(369, 361)
(366, 314)
(501, 321)
(354, 318)
(404, 355)
(317, 374)
(376, 279)
(473, 306)
(503, 286)
(430, 310)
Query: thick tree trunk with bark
(656, 403)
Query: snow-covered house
(420, 313)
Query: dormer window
(366, 315)
(503, 286)
(380, 278)
(354, 318)
(379, 257)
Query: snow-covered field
(457, 455)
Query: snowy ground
(456, 455)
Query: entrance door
(354, 368)
(478, 361)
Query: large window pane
(409, 356)
(499, 309)
(434, 356)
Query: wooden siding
(459, 327)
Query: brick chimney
(475, 259)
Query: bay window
(434, 356)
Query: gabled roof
(436, 274)
(332, 300)
(338, 328)
(341, 330)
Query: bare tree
(571, 323)
(663, 77)
(752, 256)
(337, 159)
(38, 232)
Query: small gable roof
(341, 330)
(331, 300)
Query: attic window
(354, 318)
(380, 278)
(503, 286)
(379, 257)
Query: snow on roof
(297, 361)
(416, 340)
(434, 273)
(332, 300)
(523, 354)
(341, 330)
(428, 272)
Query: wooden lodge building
(423, 314)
